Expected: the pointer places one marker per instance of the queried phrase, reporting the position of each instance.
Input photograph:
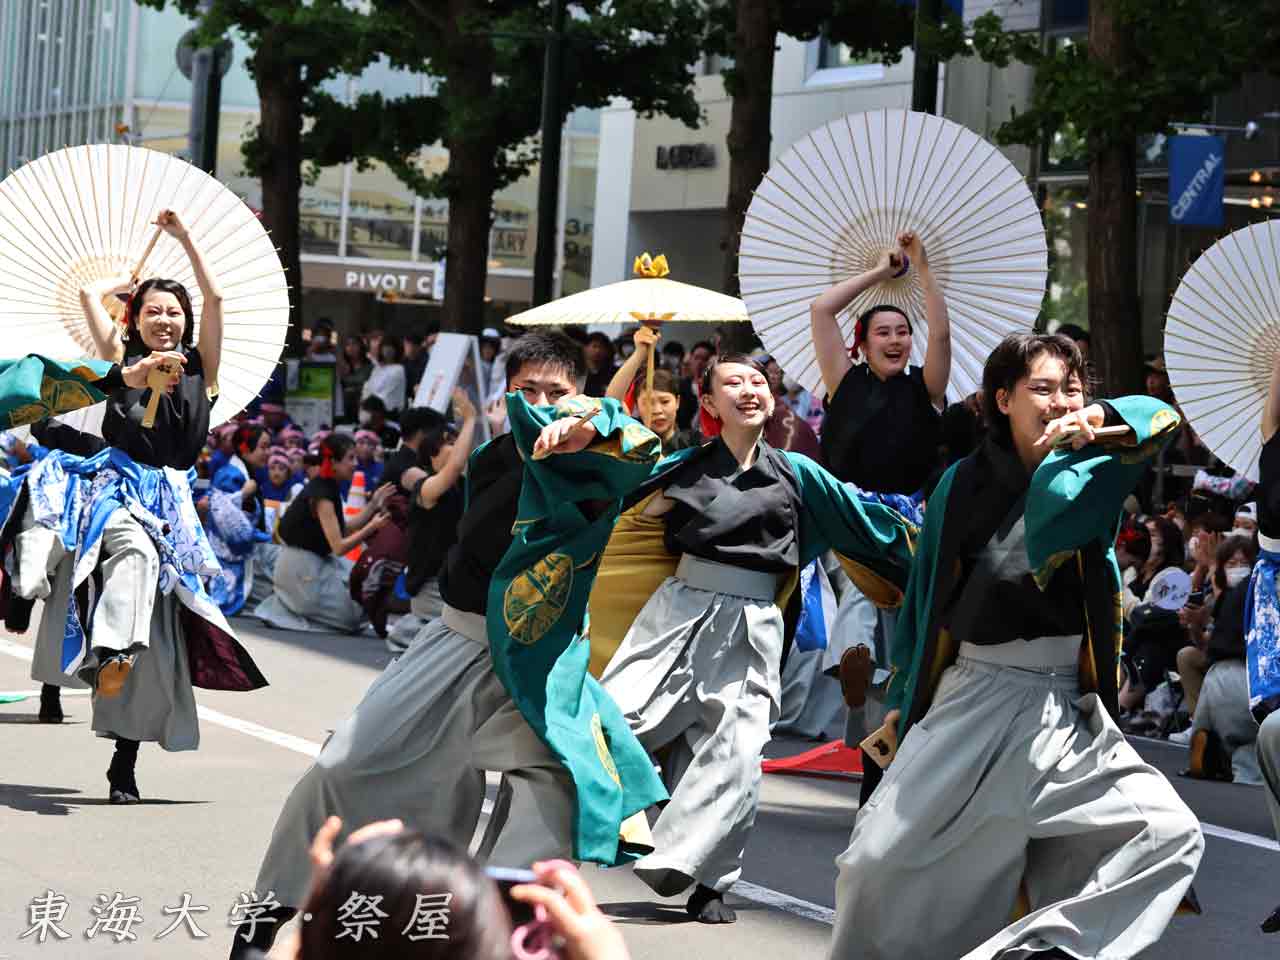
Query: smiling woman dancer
(121, 506)
(1013, 784)
(880, 432)
(697, 675)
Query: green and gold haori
(35, 387)
(565, 537)
(537, 601)
(1072, 512)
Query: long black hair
(132, 338)
(407, 873)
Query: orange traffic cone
(353, 506)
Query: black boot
(707, 906)
(1272, 923)
(51, 703)
(120, 775)
(264, 933)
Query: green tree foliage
(1147, 64)
(486, 58)
(295, 47)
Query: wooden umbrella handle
(654, 325)
(137, 271)
(157, 382)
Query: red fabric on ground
(833, 757)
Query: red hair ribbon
(326, 462)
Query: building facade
(95, 71)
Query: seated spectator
(310, 590)
(368, 460)
(1215, 625)
(1153, 635)
(428, 469)
(401, 871)
(235, 522)
(278, 478)
(373, 417)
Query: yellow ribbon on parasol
(651, 268)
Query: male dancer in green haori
(1013, 790)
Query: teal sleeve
(835, 517)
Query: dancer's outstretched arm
(937, 355)
(210, 345)
(102, 329)
(824, 319)
(645, 340)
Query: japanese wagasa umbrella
(86, 213)
(831, 206)
(1221, 338)
(651, 298)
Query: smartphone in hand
(506, 878)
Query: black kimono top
(494, 478)
(182, 418)
(997, 600)
(1269, 488)
(745, 518)
(299, 527)
(882, 435)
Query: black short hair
(598, 337)
(673, 347)
(1073, 331)
(398, 870)
(131, 336)
(741, 358)
(552, 347)
(373, 404)
(433, 426)
(1011, 360)
(664, 381)
(705, 345)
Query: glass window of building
(380, 215)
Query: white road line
(1239, 836)
(781, 901)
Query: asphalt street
(207, 815)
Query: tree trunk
(470, 177)
(750, 126)
(1115, 325)
(280, 151)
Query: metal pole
(924, 80)
(544, 258)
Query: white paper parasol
(651, 299)
(85, 213)
(1221, 339)
(831, 205)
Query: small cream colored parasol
(86, 213)
(651, 298)
(837, 200)
(1221, 338)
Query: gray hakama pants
(1269, 762)
(311, 592)
(417, 748)
(1014, 779)
(425, 606)
(697, 679)
(158, 702)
